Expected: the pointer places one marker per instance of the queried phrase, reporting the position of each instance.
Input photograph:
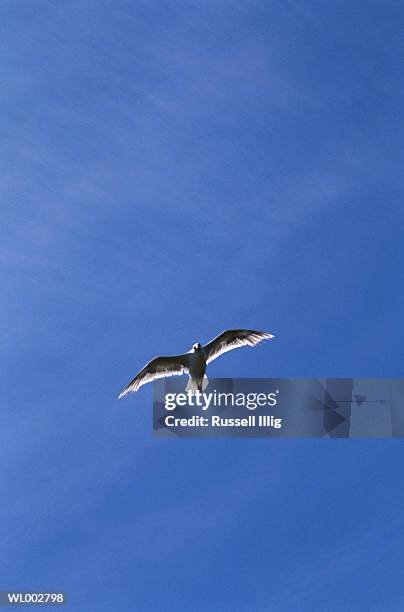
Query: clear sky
(170, 170)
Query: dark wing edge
(160, 367)
(234, 338)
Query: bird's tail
(197, 384)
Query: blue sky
(169, 170)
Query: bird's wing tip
(123, 393)
(128, 390)
(268, 336)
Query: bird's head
(196, 347)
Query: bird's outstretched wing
(231, 339)
(160, 367)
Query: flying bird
(194, 362)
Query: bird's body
(195, 361)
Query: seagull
(194, 362)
